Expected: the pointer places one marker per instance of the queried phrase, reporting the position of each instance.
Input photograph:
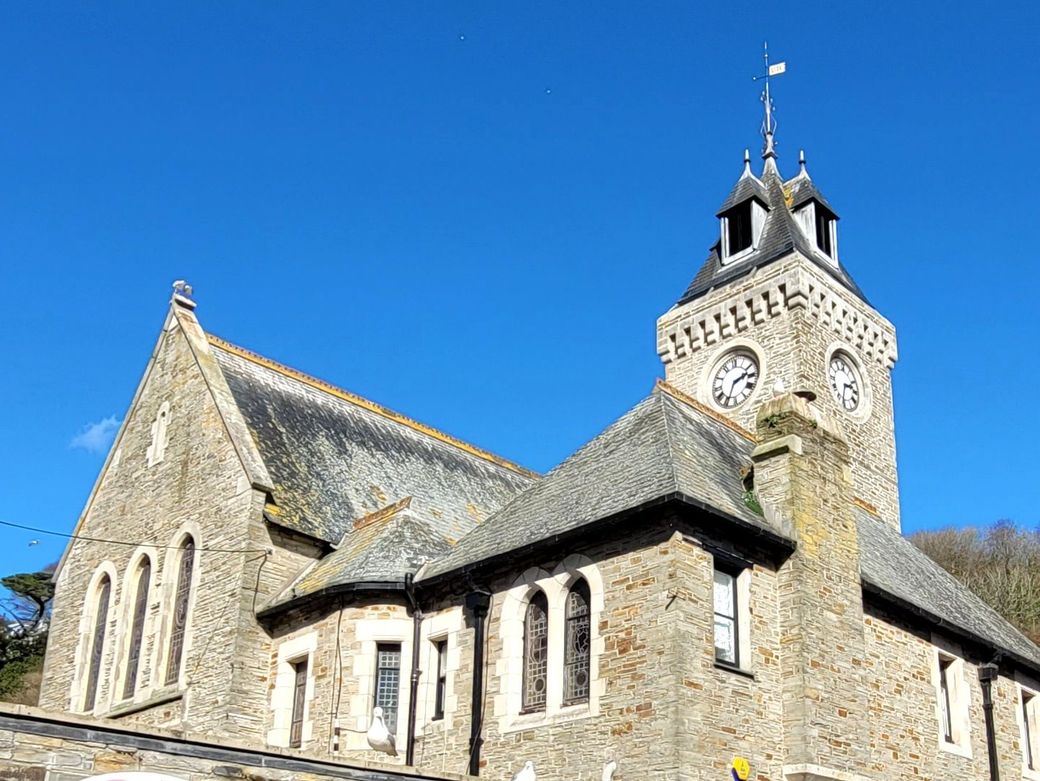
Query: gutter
(478, 603)
(987, 674)
(358, 587)
(769, 538)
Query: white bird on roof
(526, 772)
(609, 770)
(379, 737)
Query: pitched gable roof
(334, 457)
(661, 448)
(781, 236)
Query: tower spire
(769, 121)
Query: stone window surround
(289, 653)
(960, 697)
(1027, 686)
(368, 633)
(509, 667)
(446, 626)
(743, 575)
(171, 564)
(81, 662)
(146, 663)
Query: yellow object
(741, 768)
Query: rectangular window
(388, 680)
(738, 228)
(823, 231)
(1029, 729)
(441, 647)
(727, 624)
(299, 702)
(945, 699)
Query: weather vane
(769, 122)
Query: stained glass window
(576, 645)
(97, 644)
(388, 682)
(137, 628)
(725, 598)
(180, 610)
(536, 639)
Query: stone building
(716, 579)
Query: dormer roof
(748, 187)
(781, 235)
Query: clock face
(844, 382)
(734, 379)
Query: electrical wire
(125, 542)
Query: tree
(1000, 563)
(23, 634)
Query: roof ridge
(367, 404)
(704, 409)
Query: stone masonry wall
(199, 486)
(795, 317)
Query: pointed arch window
(133, 659)
(181, 606)
(97, 642)
(577, 644)
(536, 643)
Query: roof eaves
(905, 606)
(339, 589)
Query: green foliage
(23, 634)
(1000, 563)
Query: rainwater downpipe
(988, 674)
(478, 604)
(413, 696)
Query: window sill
(536, 719)
(1029, 774)
(732, 668)
(955, 748)
(161, 697)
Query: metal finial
(769, 121)
(747, 162)
(183, 294)
(801, 163)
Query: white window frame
(960, 698)
(442, 626)
(742, 574)
(758, 221)
(368, 634)
(291, 652)
(1027, 714)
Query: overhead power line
(124, 542)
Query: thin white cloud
(96, 437)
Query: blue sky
(474, 212)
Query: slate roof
(667, 445)
(661, 447)
(781, 236)
(334, 457)
(801, 189)
(747, 186)
(381, 548)
(897, 567)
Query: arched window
(133, 659)
(97, 641)
(536, 640)
(181, 603)
(576, 645)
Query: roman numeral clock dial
(845, 385)
(734, 380)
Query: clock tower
(774, 308)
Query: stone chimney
(803, 480)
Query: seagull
(526, 772)
(778, 387)
(379, 737)
(33, 542)
(609, 770)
